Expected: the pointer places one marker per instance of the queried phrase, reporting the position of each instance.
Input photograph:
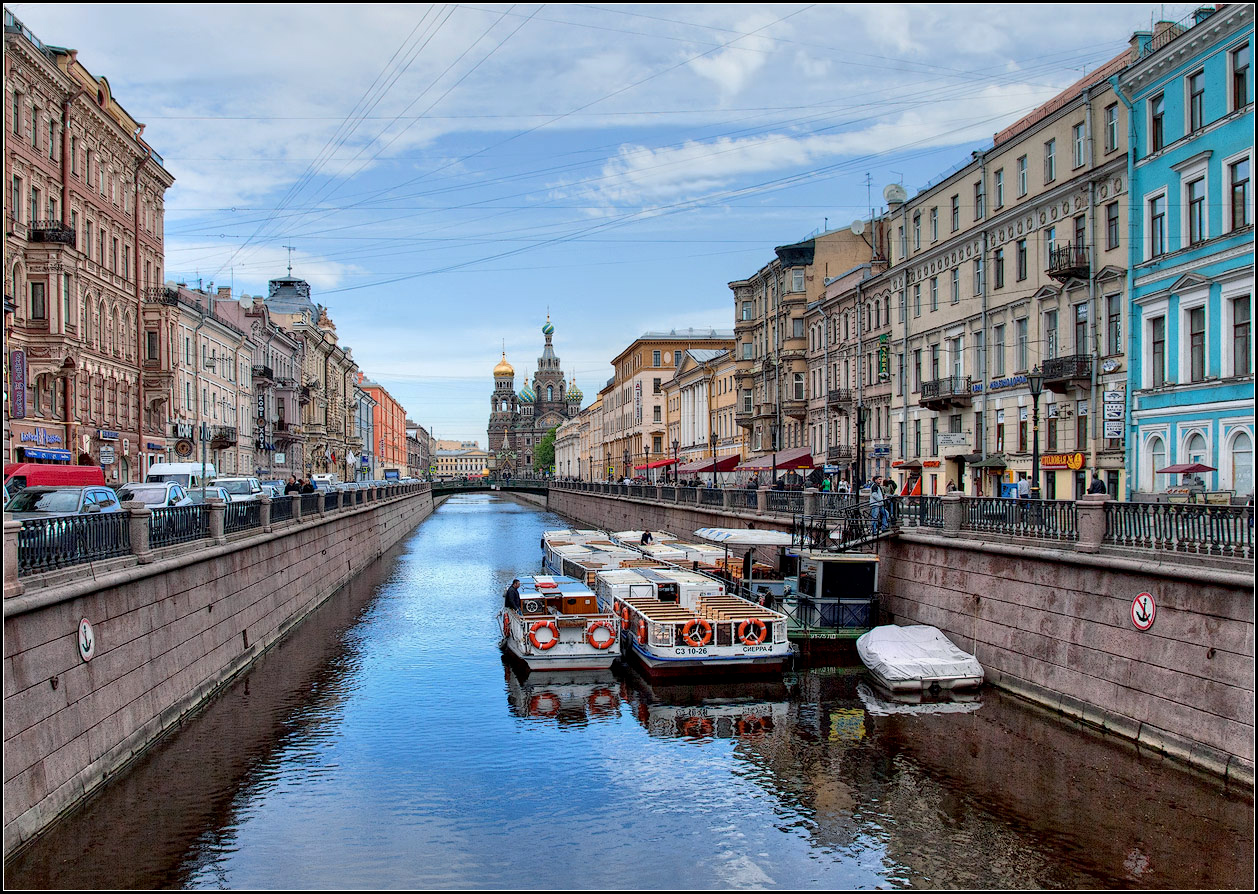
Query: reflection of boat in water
(916, 657)
(715, 711)
(884, 703)
(559, 626)
(565, 696)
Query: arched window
(1195, 449)
(1156, 451)
(1242, 458)
(550, 392)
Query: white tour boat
(676, 622)
(916, 657)
(559, 626)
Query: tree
(544, 452)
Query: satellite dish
(246, 301)
(170, 284)
(858, 227)
(895, 194)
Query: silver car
(155, 494)
(50, 502)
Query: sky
(447, 176)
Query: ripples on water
(385, 744)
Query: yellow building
(701, 402)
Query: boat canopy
(795, 458)
(745, 536)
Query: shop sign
(637, 401)
(884, 358)
(40, 437)
(1114, 397)
(999, 384)
(17, 385)
(183, 448)
(261, 406)
(107, 455)
(107, 435)
(1072, 461)
(882, 450)
(953, 439)
(1113, 411)
(1115, 431)
(186, 430)
(930, 464)
(279, 458)
(151, 446)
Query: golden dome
(504, 368)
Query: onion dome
(574, 393)
(504, 368)
(526, 394)
(548, 329)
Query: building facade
(701, 403)
(1190, 103)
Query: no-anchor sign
(1143, 611)
(87, 640)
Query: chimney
(1140, 42)
(1202, 13)
(224, 293)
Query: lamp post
(862, 419)
(646, 462)
(627, 475)
(676, 444)
(712, 446)
(1035, 381)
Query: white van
(325, 481)
(187, 474)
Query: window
(798, 390)
(1196, 211)
(934, 362)
(917, 437)
(655, 359)
(1020, 344)
(1000, 188)
(1081, 328)
(1050, 161)
(746, 310)
(1196, 101)
(797, 327)
(1000, 268)
(904, 302)
(1114, 324)
(978, 275)
(1157, 226)
(1111, 127)
(917, 370)
(1022, 430)
(1197, 344)
(1157, 460)
(978, 200)
(1111, 226)
(656, 414)
(150, 345)
(1081, 428)
(1157, 123)
(1081, 230)
(1157, 351)
(934, 224)
(1000, 431)
(917, 231)
(1240, 77)
(1242, 464)
(655, 385)
(39, 301)
(1021, 259)
(956, 285)
(1022, 176)
(1238, 177)
(934, 293)
(934, 435)
(797, 280)
(998, 351)
(17, 114)
(1051, 425)
(1050, 334)
(956, 213)
(1240, 337)
(917, 299)
(746, 350)
(1077, 142)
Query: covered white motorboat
(917, 657)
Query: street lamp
(862, 419)
(712, 447)
(627, 475)
(1035, 381)
(646, 452)
(676, 444)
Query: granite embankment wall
(168, 635)
(1054, 625)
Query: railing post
(953, 513)
(138, 516)
(1091, 509)
(762, 500)
(218, 519)
(323, 502)
(12, 586)
(727, 498)
(264, 513)
(296, 498)
(810, 501)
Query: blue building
(1190, 385)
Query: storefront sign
(1113, 411)
(1114, 397)
(637, 401)
(930, 464)
(261, 406)
(999, 384)
(40, 437)
(953, 439)
(279, 458)
(151, 446)
(1115, 431)
(884, 358)
(61, 456)
(183, 430)
(882, 450)
(1072, 461)
(107, 435)
(107, 456)
(183, 448)
(17, 385)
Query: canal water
(386, 745)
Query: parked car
(50, 502)
(20, 475)
(240, 490)
(155, 494)
(188, 475)
(273, 490)
(211, 491)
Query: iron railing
(945, 388)
(1211, 530)
(786, 501)
(45, 544)
(331, 500)
(1068, 261)
(711, 496)
(832, 502)
(178, 524)
(1046, 519)
(311, 504)
(51, 231)
(668, 492)
(281, 508)
(925, 512)
(242, 515)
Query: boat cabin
(834, 590)
(556, 595)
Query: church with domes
(518, 420)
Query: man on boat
(646, 537)
(511, 598)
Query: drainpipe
(982, 292)
(1093, 311)
(139, 297)
(1132, 219)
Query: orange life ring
(624, 613)
(752, 632)
(705, 633)
(549, 699)
(698, 727)
(506, 625)
(546, 585)
(554, 634)
(601, 625)
(642, 631)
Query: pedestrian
(1097, 486)
(889, 486)
(877, 512)
(1024, 486)
(842, 487)
(307, 487)
(825, 485)
(952, 486)
(293, 487)
(511, 598)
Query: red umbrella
(1185, 469)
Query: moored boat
(559, 626)
(916, 657)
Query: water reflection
(387, 744)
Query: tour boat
(581, 561)
(559, 626)
(676, 622)
(917, 657)
(670, 549)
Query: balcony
(839, 455)
(1068, 262)
(942, 394)
(53, 231)
(222, 436)
(839, 398)
(765, 411)
(263, 373)
(796, 408)
(1060, 373)
(743, 418)
(161, 295)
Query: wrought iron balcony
(1062, 372)
(161, 295)
(1068, 262)
(51, 231)
(940, 394)
(839, 454)
(264, 372)
(222, 435)
(838, 397)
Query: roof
(703, 355)
(1115, 65)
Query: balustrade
(45, 544)
(1212, 530)
(242, 515)
(178, 524)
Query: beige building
(701, 401)
(1014, 263)
(460, 458)
(771, 340)
(634, 428)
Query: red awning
(657, 464)
(1185, 469)
(723, 464)
(795, 458)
